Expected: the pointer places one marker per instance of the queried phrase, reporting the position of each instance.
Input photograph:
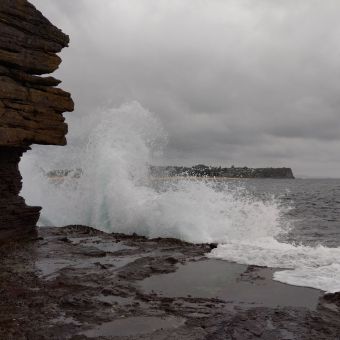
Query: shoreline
(80, 283)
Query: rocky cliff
(31, 106)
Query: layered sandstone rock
(31, 106)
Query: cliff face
(31, 106)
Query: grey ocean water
(315, 207)
(307, 252)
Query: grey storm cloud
(239, 82)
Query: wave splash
(115, 194)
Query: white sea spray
(114, 193)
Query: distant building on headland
(202, 170)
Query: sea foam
(114, 193)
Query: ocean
(306, 251)
(291, 225)
(314, 203)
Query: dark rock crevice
(16, 218)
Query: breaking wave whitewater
(115, 193)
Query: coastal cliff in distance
(210, 171)
(31, 106)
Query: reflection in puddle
(49, 268)
(223, 280)
(65, 320)
(134, 325)
(99, 243)
(115, 299)
(123, 301)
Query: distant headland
(202, 170)
(199, 170)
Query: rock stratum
(31, 106)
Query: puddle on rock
(232, 283)
(65, 320)
(133, 326)
(115, 299)
(119, 301)
(49, 268)
(99, 243)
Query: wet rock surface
(78, 283)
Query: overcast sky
(243, 82)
